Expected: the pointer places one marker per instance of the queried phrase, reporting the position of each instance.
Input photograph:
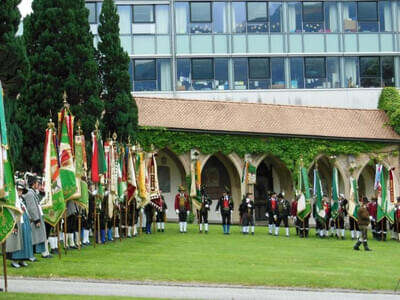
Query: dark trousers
(304, 226)
(182, 216)
(203, 216)
(339, 223)
(284, 219)
(71, 224)
(248, 220)
(226, 217)
(160, 217)
(271, 219)
(354, 224)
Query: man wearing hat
(363, 222)
(247, 212)
(339, 222)
(182, 208)
(203, 212)
(225, 204)
(283, 214)
(271, 213)
(32, 202)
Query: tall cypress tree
(13, 65)
(62, 58)
(120, 108)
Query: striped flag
(304, 202)
(319, 206)
(195, 185)
(131, 173)
(354, 204)
(386, 194)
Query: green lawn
(235, 259)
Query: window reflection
(297, 72)
(315, 72)
(277, 73)
(259, 73)
(152, 74)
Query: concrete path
(185, 291)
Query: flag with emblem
(319, 206)
(335, 194)
(304, 202)
(354, 203)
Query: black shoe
(365, 244)
(47, 256)
(14, 264)
(23, 264)
(206, 232)
(357, 246)
(162, 230)
(54, 251)
(33, 259)
(252, 233)
(342, 237)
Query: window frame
(305, 67)
(210, 11)
(154, 73)
(376, 10)
(249, 68)
(143, 22)
(266, 12)
(322, 9)
(192, 75)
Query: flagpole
(126, 216)
(58, 240)
(3, 249)
(94, 220)
(65, 233)
(79, 231)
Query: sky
(25, 7)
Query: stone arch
(325, 168)
(171, 173)
(222, 163)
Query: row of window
(263, 73)
(255, 17)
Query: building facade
(282, 52)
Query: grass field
(235, 259)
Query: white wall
(366, 98)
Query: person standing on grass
(293, 215)
(182, 208)
(397, 218)
(372, 209)
(363, 222)
(161, 214)
(340, 218)
(283, 214)
(271, 212)
(203, 212)
(225, 205)
(149, 212)
(247, 213)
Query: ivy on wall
(389, 101)
(288, 150)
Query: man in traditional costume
(247, 212)
(225, 205)
(271, 212)
(203, 212)
(363, 222)
(293, 215)
(161, 214)
(182, 208)
(340, 230)
(283, 214)
(372, 210)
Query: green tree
(120, 108)
(62, 58)
(13, 65)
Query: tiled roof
(265, 119)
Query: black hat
(31, 179)
(280, 195)
(226, 189)
(365, 200)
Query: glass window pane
(183, 75)
(256, 12)
(351, 72)
(164, 75)
(99, 6)
(278, 73)
(259, 68)
(315, 67)
(143, 14)
(333, 72)
(145, 69)
(91, 6)
(124, 12)
(240, 73)
(162, 19)
(387, 71)
(200, 12)
(295, 17)
(297, 72)
(182, 17)
(367, 11)
(239, 17)
(202, 68)
(275, 16)
(220, 17)
(369, 66)
(385, 16)
(312, 12)
(331, 17)
(221, 74)
(350, 16)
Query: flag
(319, 206)
(335, 194)
(69, 182)
(354, 204)
(53, 204)
(386, 194)
(122, 176)
(304, 202)
(155, 196)
(249, 173)
(81, 170)
(143, 197)
(99, 167)
(195, 185)
(131, 173)
(112, 176)
(9, 208)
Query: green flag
(319, 206)
(304, 202)
(335, 194)
(80, 169)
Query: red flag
(95, 160)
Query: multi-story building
(315, 53)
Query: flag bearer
(225, 205)
(182, 208)
(203, 212)
(293, 215)
(283, 214)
